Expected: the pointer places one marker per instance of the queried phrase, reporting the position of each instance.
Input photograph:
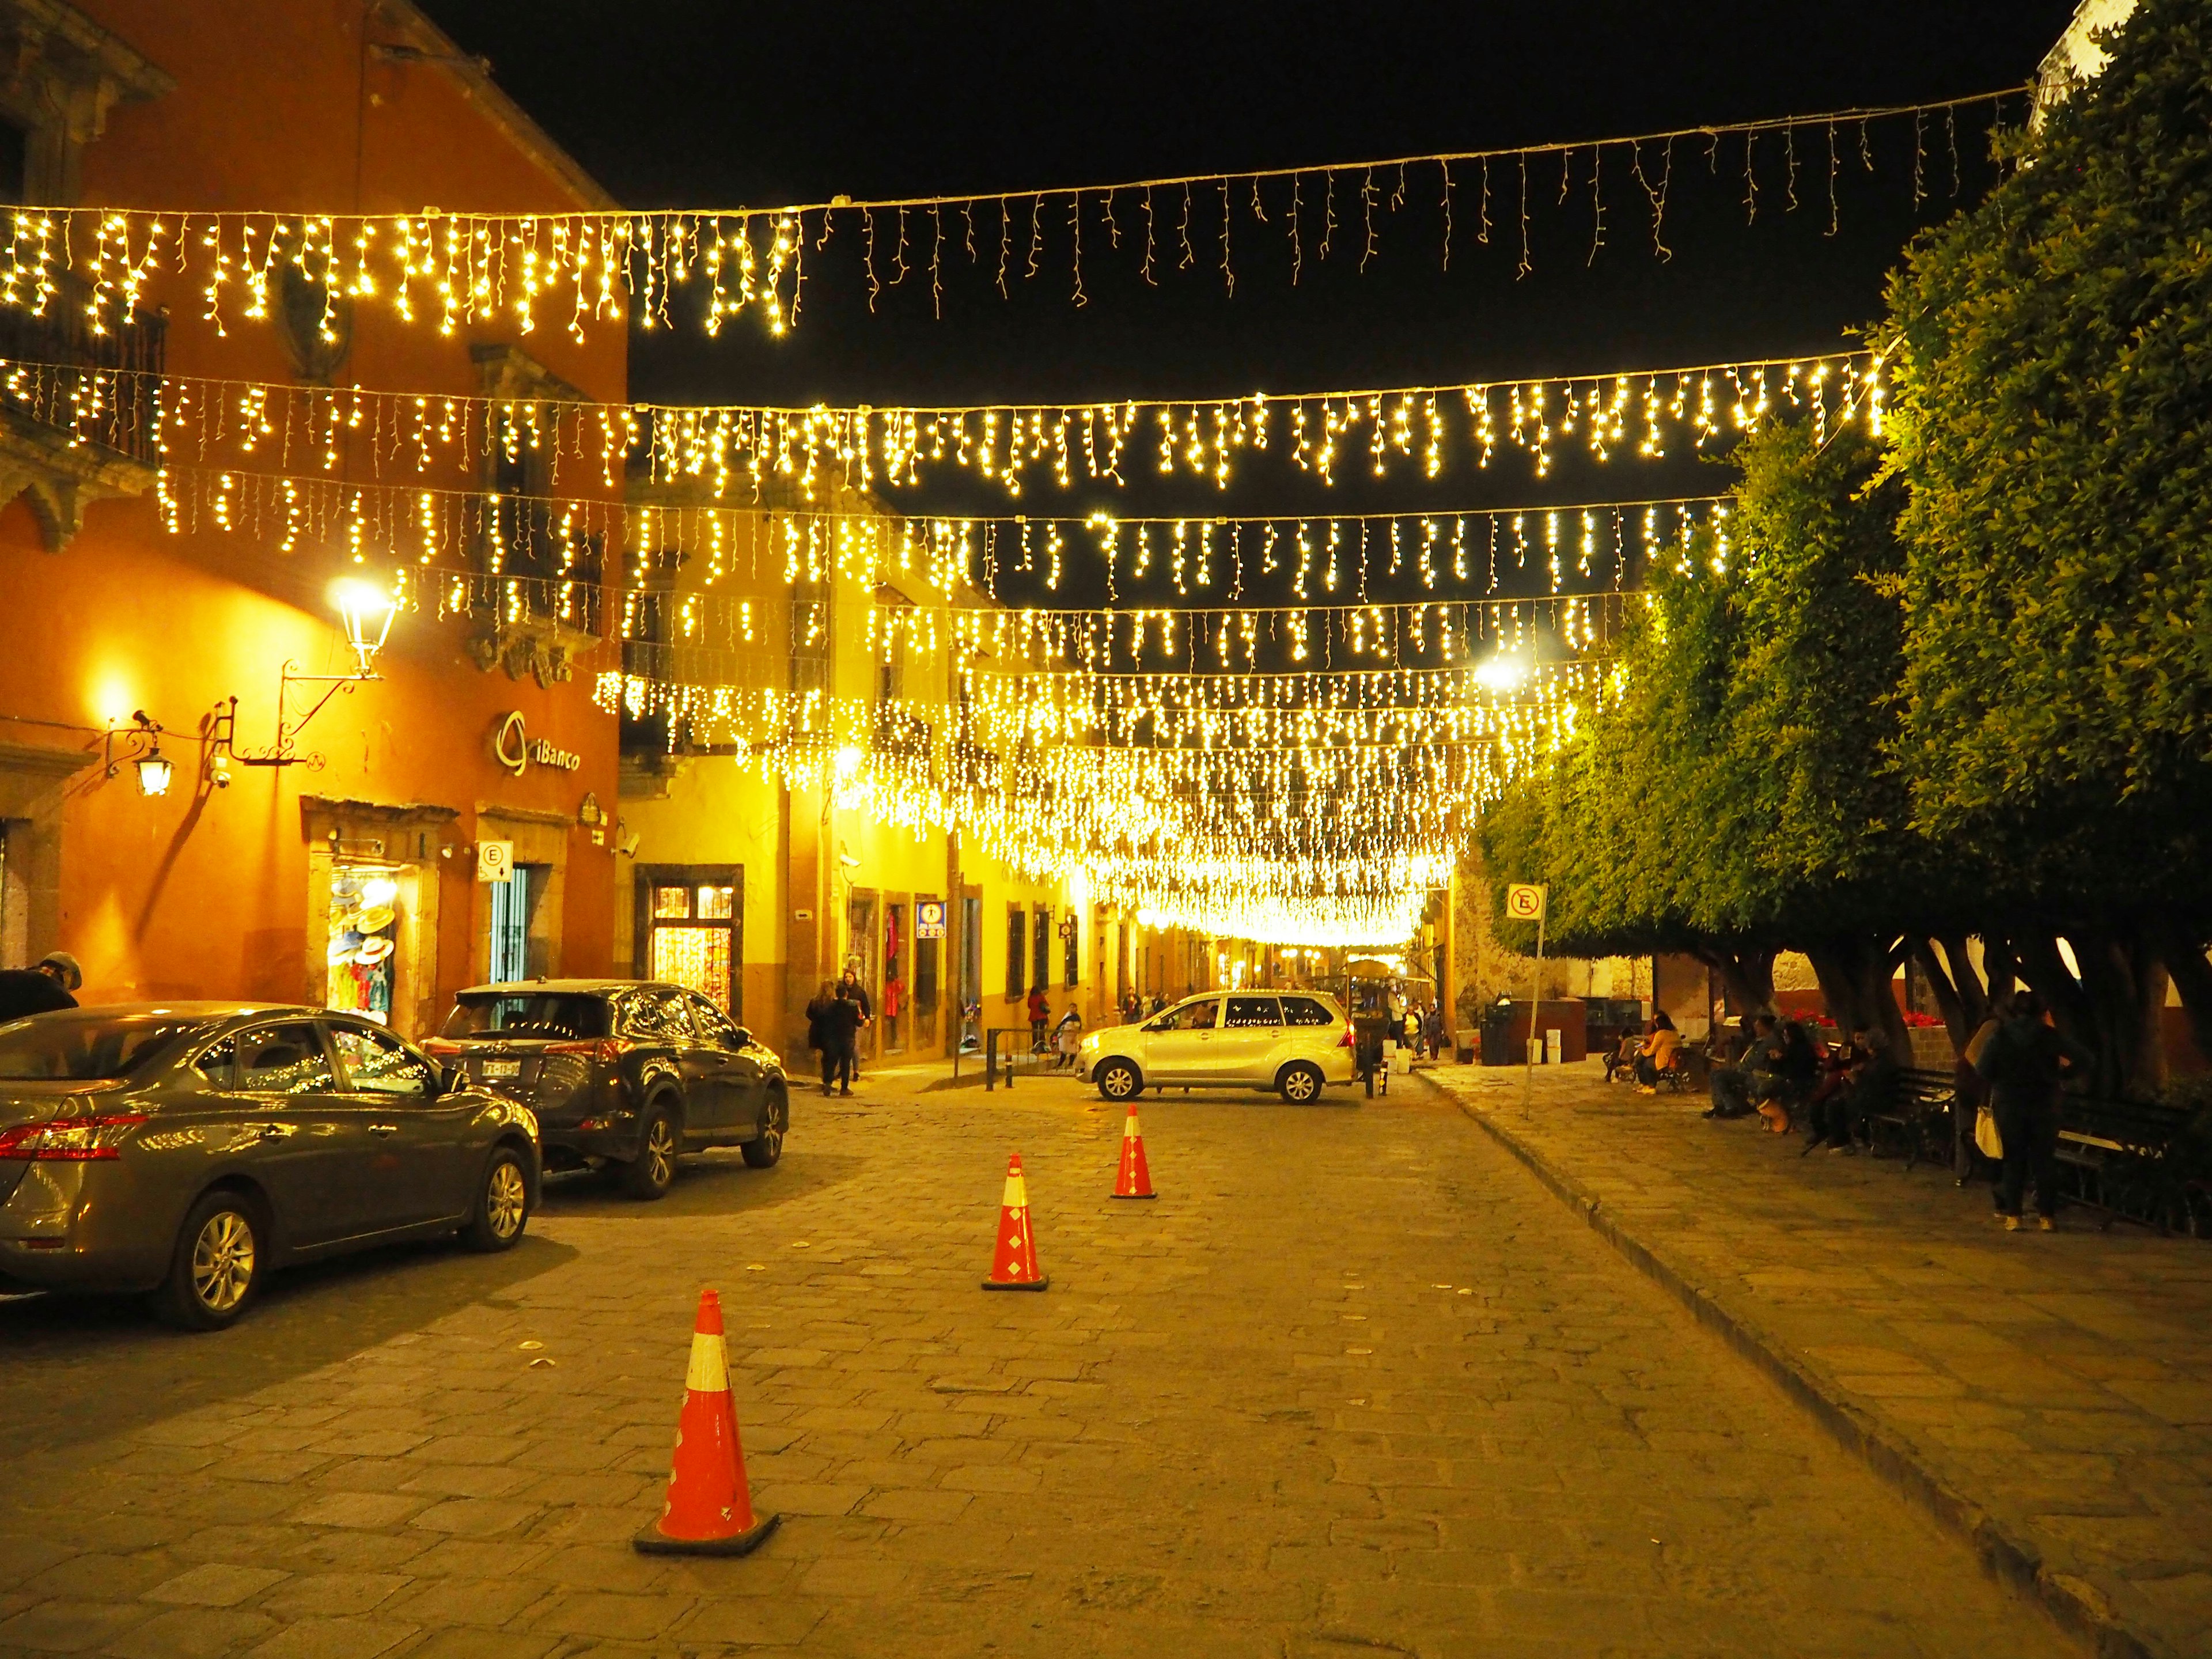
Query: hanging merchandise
(364, 920)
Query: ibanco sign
(516, 749)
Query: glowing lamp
(366, 609)
(1502, 672)
(155, 772)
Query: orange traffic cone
(1014, 1263)
(709, 1509)
(1134, 1181)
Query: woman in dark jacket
(2024, 1062)
(825, 1024)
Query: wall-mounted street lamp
(141, 746)
(366, 611)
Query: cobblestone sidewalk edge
(2083, 1608)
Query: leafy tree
(2053, 373)
(1738, 800)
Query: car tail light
(1345, 1041)
(600, 1052)
(68, 1141)
(441, 1047)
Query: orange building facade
(350, 877)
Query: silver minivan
(1295, 1042)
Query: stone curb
(2080, 1607)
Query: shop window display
(691, 937)
(364, 940)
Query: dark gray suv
(620, 1074)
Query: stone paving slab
(2049, 1394)
(1353, 1384)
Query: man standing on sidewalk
(2024, 1064)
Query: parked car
(188, 1148)
(622, 1073)
(1297, 1043)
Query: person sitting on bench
(1657, 1053)
(1735, 1087)
(1797, 1064)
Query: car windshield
(86, 1047)
(528, 1014)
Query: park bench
(2109, 1154)
(1919, 1102)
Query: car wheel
(502, 1208)
(653, 1171)
(221, 1257)
(1300, 1083)
(1118, 1080)
(763, 1151)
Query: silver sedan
(186, 1149)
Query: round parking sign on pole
(1525, 902)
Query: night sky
(673, 104)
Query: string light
(737, 452)
(948, 557)
(453, 269)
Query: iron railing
(98, 386)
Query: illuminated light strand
(1010, 710)
(740, 452)
(450, 270)
(949, 558)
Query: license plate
(502, 1068)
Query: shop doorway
(512, 902)
(925, 952)
(894, 1010)
(690, 930)
(861, 956)
(971, 971)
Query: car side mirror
(745, 1038)
(452, 1079)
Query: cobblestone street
(1355, 1382)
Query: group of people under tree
(1776, 1069)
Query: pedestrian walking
(1040, 1012)
(1133, 1007)
(44, 989)
(1068, 1039)
(829, 1026)
(850, 989)
(2024, 1063)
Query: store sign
(929, 919)
(516, 749)
(495, 860)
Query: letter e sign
(495, 860)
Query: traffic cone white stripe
(709, 1371)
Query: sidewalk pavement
(2049, 1396)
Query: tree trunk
(1747, 975)
(1973, 995)
(2047, 974)
(1837, 988)
(1958, 1021)
(2000, 968)
(1853, 975)
(2182, 949)
(2110, 1007)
